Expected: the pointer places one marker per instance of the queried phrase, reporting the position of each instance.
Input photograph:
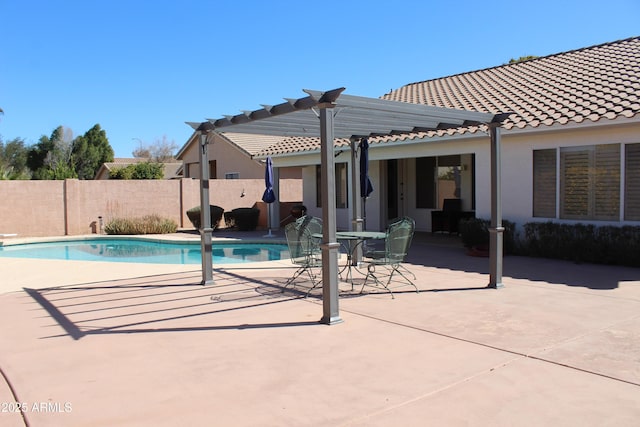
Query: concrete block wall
(73, 207)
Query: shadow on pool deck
(445, 251)
(557, 345)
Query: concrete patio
(106, 344)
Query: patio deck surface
(103, 344)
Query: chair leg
(298, 273)
(314, 283)
(396, 269)
(293, 278)
(371, 269)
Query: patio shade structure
(332, 114)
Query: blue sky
(142, 69)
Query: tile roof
(589, 84)
(252, 144)
(585, 85)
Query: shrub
(474, 232)
(583, 243)
(143, 170)
(216, 215)
(150, 224)
(245, 219)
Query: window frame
(341, 176)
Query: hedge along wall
(72, 207)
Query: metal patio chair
(387, 263)
(304, 249)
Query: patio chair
(304, 249)
(387, 262)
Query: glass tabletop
(355, 235)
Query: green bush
(150, 224)
(216, 215)
(245, 219)
(143, 170)
(474, 232)
(583, 243)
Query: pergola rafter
(330, 115)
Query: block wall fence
(73, 207)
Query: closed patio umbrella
(366, 188)
(268, 196)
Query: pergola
(331, 115)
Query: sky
(141, 69)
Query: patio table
(355, 239)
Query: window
(193, 170)
(213, 169)
(425, 182)
(590, 182)
(544, 183)
(437, 178)
(589, 178)
(318, 186)
(342, 189)
(342, 192)
(232, 175)
(632, 182)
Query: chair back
(398, 240)
(452, 205)
(303, 247)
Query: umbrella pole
(269, 220)
(364, 214)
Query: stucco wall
(230, 159)
(72, 207)
(517, 170)
(32, 208)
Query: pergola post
(329, 246)
(205, 212)
(496, 230)
(356, 201)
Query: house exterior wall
(517, 171)
(517, 162)
(73, 207)
(230, 159)
(407, 152)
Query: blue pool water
(141, 251)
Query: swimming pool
(143, 251)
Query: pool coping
(178, 238)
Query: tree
(144, 170)
(13, 160)
(90, 151)
(522, 58)
(50, 158)
(162, 150)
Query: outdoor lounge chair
(304, 249)
(387, 263)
